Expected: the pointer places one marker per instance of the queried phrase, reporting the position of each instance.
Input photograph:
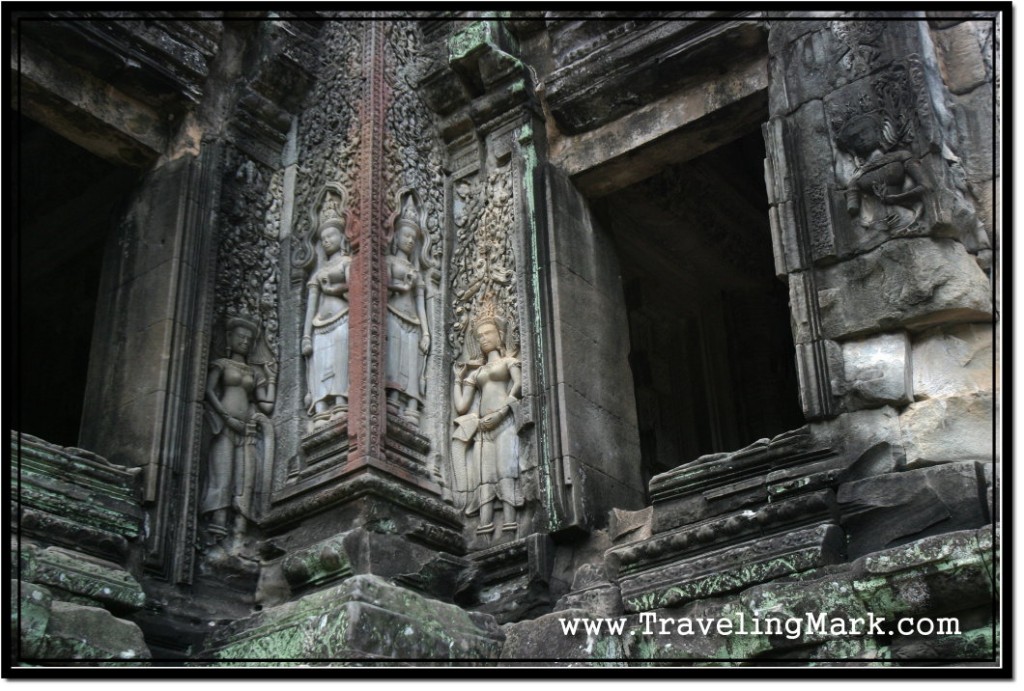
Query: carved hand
(307, 346)
(235, 424)
(425, 343)
(491, 420)
(852, 202)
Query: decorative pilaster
(368, 417)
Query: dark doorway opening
(66, 197)
(711, 349)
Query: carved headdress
(330, 215)
(408, 215)
(488, 313)
(235, 321)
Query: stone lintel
(674, 128)
(728, 529)
(86, 110)
(732, 569)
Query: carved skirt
(405, 362)
(328, 365)
(224, 470)
(496, 452)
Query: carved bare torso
(402, 284)
(494, 382)
(237, 384)
(332, 281)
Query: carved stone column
(360, 494)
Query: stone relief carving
(861, 41)
(329, 133)
(485, 444)
(884, 182)
(485, 338)
(248, 255)
(483, 260)
(412, 157)
(883, 178)
(408, 329)
(241, 381)
(240, 392)
(325, 332)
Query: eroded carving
(884, 190)
(883, 178)
(325, 335)
(240, 393)
(861, 40)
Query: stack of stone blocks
(75, 552)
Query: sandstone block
(544, 638)
(886, 510)
(365, 616)
(956, 428)
(30, 615)
(80, 632)
(871, 439)
(953, 361)
(876, 371)
(962, 50)
(913, 282)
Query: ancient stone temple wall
(416, 338)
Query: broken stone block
(30, 615)
(629, 526)
(829, 597)
(955, 428)
(545, 638)
(962, 49)
(88, 579)
(731, 569)
(888, 510)
(953, 361)
(80, 632)
(941, 573)
(876, 370)
(871, 439)
(913, 282)
(676, 634)
(362, 617)
(593, 591)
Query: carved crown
(241, 320)
(488, 313)
(330, 215)
(408, 215)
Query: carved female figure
(408, 331)
(239, 397)
(325, 331)
(885, 188)
(486, 400)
